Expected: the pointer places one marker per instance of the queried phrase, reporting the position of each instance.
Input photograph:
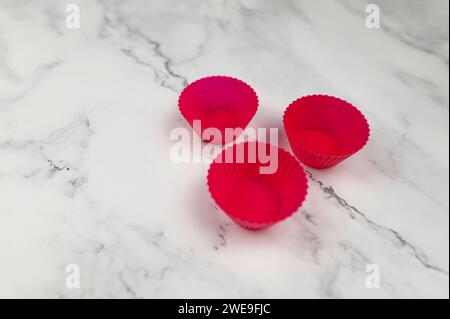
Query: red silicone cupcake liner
(324, 130)
(218, 102)
(254, 190)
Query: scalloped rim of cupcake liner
(344, 155)
(190, 85)
(270, 222)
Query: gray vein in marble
(56, 165)
(200, 47)
(154, 45)
(156, 240)
(309, 217)
(399, 36)
(355, 253)
(293, 7)
(328, 282)
(314, 243)
(392, 172)
(41, 73)
(223, 229)
(125, 284)
(390, 233)
(415, 45)
(425, 86)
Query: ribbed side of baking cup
(253, 198)
(218, 102)
(338, 118)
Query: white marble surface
(86, 178)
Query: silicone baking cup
(253, 199)
(218, 102)
(324, 130)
